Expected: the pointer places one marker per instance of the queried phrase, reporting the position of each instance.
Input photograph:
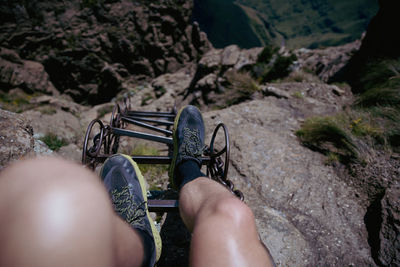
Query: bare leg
(55, 213)
(223, 227)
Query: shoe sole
(156, 234)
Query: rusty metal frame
(106, 142)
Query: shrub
(266, 54)
(280, 69)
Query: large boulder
(326, 63)
(25, 74)
(17, 139)
(208, 85)
(58, 122)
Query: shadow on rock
(176, 242)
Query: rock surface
(28, 75)
(389, 237)
(307, 215)
(326, 63)
(16, 138)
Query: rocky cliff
(294, 23)
(380, 43)
(309, 211)
(91, 50)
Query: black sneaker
(127, 190)
(188, 136)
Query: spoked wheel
(217, 167)
(112, 141)
(116, 115)
(90, 153)
(127, 103)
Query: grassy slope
(300, 23)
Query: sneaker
(127, 190)
(188, 137)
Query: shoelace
(191, 145)
(126, 207)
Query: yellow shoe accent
(156, 234)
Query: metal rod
(151, 114)
(161, 160)
(164, 205)
(146, 136)
(147, 126)
(159, 122)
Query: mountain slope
(299, 23)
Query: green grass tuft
(53, 141)
(298, 95)
(329, 134)
(379, 74)
(332, 158)
(240, 87)
(152, 172)
(382, 97)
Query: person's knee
(237, 213)
(51, 181)
(61, 202)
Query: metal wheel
(89, 154)
(216, 164)
(112, 141)
(115, 120)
